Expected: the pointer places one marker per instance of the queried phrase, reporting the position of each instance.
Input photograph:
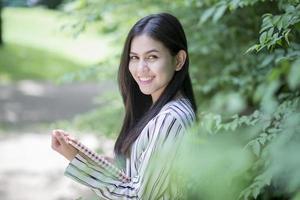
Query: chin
(145, 92)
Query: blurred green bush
(245, 67)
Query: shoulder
(180, 109)
(177, 111)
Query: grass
(37, 48)
(41, 28)
(20, 62)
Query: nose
(143, 65)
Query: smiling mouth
(145, 80)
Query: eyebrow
(150, 51)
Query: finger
(54, 142)
(61, 138)
(59, 133)
(70, 138)
(65, 133)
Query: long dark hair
(139, 110)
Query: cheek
(131, 70)
(165, 70)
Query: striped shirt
(150, 177)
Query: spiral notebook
(100, 160)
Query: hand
(60, 144)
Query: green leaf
(234, 4)
(263, 138)
(267, 17)
(265, 27)
(276, 19)
(270, 32)
(255, 192)
(267, 61)
(280, 24)
(290, 8)
(234, 125)
(263, 37)
(256, 147)
(252, 48)
(285, 21)
(245, 194)
(294, 75)
(207, 14)
(266, 23)
(256, 114)
(286, 36)
(219, 12)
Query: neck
(178, 95)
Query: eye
(152, 57)
(133, 58)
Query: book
(100, 160)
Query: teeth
(145, 78)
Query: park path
(29, 169)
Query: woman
(159, 107)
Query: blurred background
(58, 69)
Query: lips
(145, 80)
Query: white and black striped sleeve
(153, 176)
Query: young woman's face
(151, 65)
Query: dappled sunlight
(42, 29)
(31, 88)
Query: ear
(180, 60)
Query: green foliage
(215, 168)
(30, 50)
(275, 29)
(18, 62)
(245, 70)
(22, 26)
